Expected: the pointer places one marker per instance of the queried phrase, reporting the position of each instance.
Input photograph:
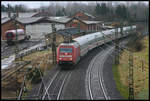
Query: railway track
(96, 89)
(7, 74)
(94, 76)
(9, 50)
(55, 86)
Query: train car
(68, 53)
(11, 36)
(72, 52)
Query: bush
(34, 76)
(135, 43)
(138, 46)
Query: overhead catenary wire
(124, 48)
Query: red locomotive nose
(10, 35)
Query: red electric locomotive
(68, 53)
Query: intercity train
(71, 53)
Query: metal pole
(131, 81)
(116, 46)
(54, 43)
(79, 26)
(16, 48)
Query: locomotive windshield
(66, 50)
(9, 35)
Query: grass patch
(141, 78)
(121, 88)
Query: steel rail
(50, 84)
(8, 75)
(89, 77)
(101, 80)
(60, 90)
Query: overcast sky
(37, 4)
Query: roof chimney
(17, 13)
(9, 14)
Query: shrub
(34, 76)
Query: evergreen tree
(97, 9)
(103, 9)
(118, 10)
(124, 12)
(63, 12)
(59, 13)
(3, 8)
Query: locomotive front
(11, 35)
(65, 54)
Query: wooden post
(142, 66)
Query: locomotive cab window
(66, 50)
(9, 35)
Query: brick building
(7, 24)
(87, 26)
(83, 16)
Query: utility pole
(131, 81)
(116, 46)
(79, 26)
(121, 28)
(54, 43)
(16, 47)
(16, 40)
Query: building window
(88, 27)
(94, 27)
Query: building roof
(92, 22)
(63, 19)
(70, 30)
(85, 21)
(41, 14)
(28, 20)
(26, 14)
(3, 20)
(23, 20)
(89, 15)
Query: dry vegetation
(141, 78)
(10, 86)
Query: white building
(37, 27)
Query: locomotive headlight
(60, 58)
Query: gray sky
(36, 4)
